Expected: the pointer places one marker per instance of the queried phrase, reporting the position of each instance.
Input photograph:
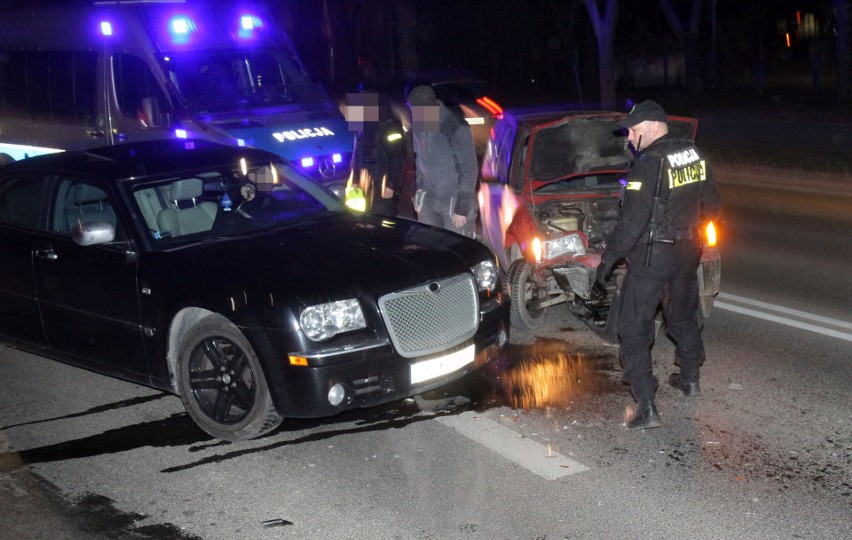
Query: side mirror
(91, 233)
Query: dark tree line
(505, 39)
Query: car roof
(147, 158)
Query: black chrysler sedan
(223, 275)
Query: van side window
(49, 86)
(20, 201)
(139, 94)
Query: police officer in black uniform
(662, 246)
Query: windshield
(223, 81)
(577, 145)
(586, 182)
(221, 203)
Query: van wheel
(221, 382)
(524, 295)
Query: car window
(215, 203)
(79, 201)
(20, 200)
(134, 84)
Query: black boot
(690, 389)
(644, 416)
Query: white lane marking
(511, 445)
(783, 320)
(782, 309)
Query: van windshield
(223, 81)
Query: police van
(122, 71)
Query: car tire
(522, 288)
(222, 384)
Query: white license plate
(429, 369)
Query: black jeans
(670, 279)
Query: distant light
(307, 162)
(106, 28)
(492, 106)
(336, 158)
(241, 142)
(180, 133)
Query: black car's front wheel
(222, 385)
(525, 296)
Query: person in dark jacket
(662, 250)
(445, 163)
(378, 153)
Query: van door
(139, 108)
(51, 102)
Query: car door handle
(96, 134)
(48, 254)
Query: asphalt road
(532, 448)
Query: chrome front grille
(432, 317)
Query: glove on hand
(597, 294)
(603, 272)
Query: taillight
(710, 234)
(492, 107)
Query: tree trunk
(404, 11)
(843, 16)
(604, 27)
(688, 38)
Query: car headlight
(572, 243)
(486, 275)
(326, 320)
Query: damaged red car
(552, 185)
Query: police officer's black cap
(642, 112)
(422, 95)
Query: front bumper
(375, 373)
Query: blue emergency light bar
(193, 29)
(250, 22)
